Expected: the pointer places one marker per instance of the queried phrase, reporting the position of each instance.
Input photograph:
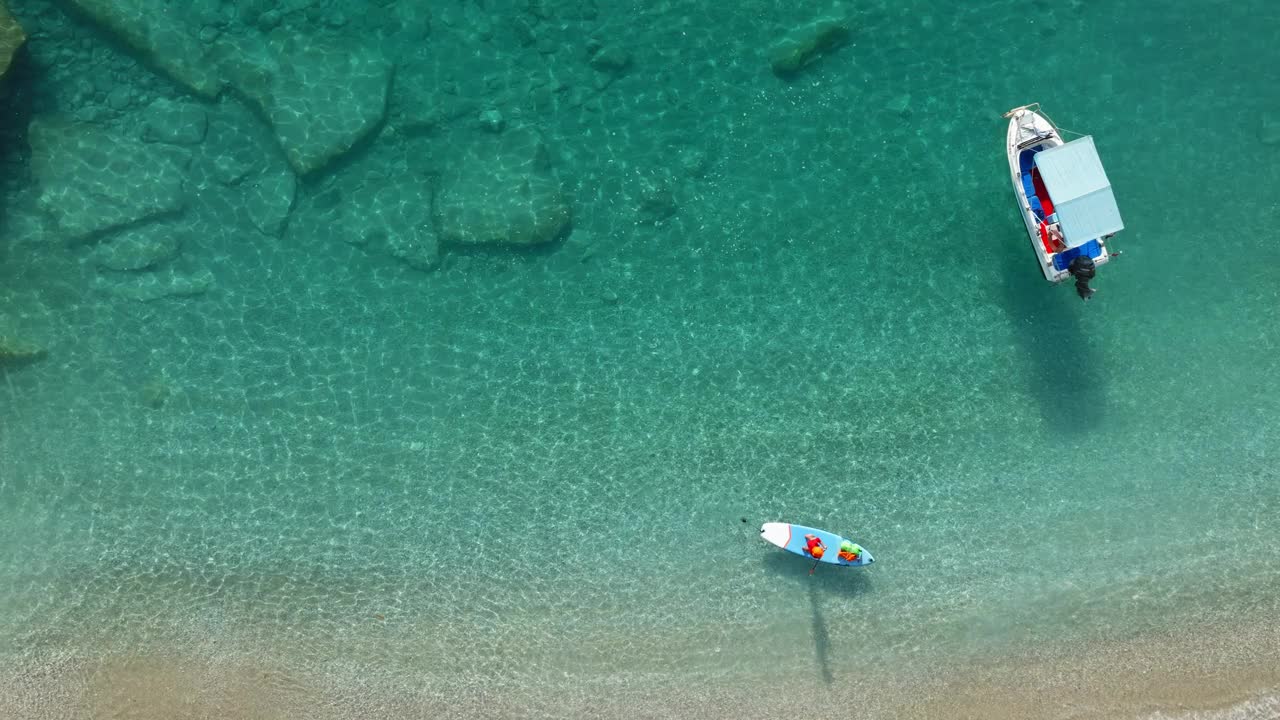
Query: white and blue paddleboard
(791, 538)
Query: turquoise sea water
(516, 485)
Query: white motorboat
(1064, 197)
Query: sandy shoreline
(1228, 670)
(1192, 674)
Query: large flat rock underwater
(321, 94)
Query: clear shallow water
(490, 484)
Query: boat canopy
(1080, 191)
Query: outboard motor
(1082, 268)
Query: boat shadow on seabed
(821, 637)
(1064, 372)
(838, 580)
(828, 578)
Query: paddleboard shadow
(826, 579)
(821, 638)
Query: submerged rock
(165, 34)
(239, 149)
(139, 248)
(1269, 130)
(16, 352)
(804, 45)
(269, 199)
(899, 105)
(147, 287)
(492, 120)
(393, 215)
(93, 180)
(694, 161)
(155, 392)
(421, 103)
(382, 205)
(394, 218)
(176, 123)
(322, 95)
(418, 249)
(11, 38)
(610, 59)
(502, 191)
(655, 199)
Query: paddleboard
(791, 538)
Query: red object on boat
(1041, 192)
(1044, 237)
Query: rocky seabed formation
(11, 38)
(279, 98)
(321, 94)
(177, 126)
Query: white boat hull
(1029, 131)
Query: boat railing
(1035, 108)
(1061, 130)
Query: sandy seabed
(1221, 671)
